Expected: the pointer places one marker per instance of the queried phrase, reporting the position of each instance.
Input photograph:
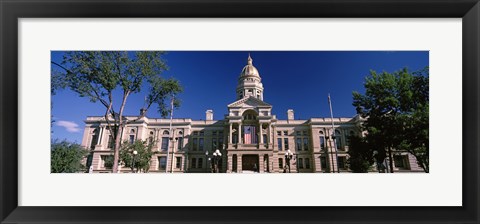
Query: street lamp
(288, 157)
(216, 157)
(206, 160)
(296, 163)
(134, 154)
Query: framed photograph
(271, 111)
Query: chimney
(290, 114)
(209, 115)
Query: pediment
(249, 102)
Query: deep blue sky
(292, 80)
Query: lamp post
(173, 140)
(216, 157)
(134, 154)
(206, 160)
(296, 163)
(288, 157)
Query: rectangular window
(200, 144)
(202, 133)
(279, 133)
(279, 141)
(280, 163)
(214, 144)
(338, 141)
(285, 133)
(307, 163)
(300, 163)
(94, 141)
(234, 138)
(305, 144)
(164, 146)
(299, 144)
(132, 139)
(305, 133)
(285, 141)
(200, 163)
(178, 163)
(220, 143)
(341, 162)
(399, 161)
(322, 142)
(214, 133)
(264, 138)
(111, 142)
(162, 162)
(299, 133)
(323, 162)
(195, 144)
(193, 164)
(180, 143)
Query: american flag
(249, 135)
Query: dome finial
(249, 60)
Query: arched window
(94, 141)
(322, 140)
(151, 137)
(180, 140)
(338, 139)
(131, 137)
(165, 140)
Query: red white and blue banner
(249, 135)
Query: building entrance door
(250, 162)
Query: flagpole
(171, 137)
(333, 134)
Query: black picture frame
(11, 11)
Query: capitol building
(249, 138)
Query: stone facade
(250, 138)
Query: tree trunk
(390, 158)
(121, 126)
(117, 147)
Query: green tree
(360, 155)
(66, 157)
(395, 106)
(139, 161)
(97, 74)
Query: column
(260, 133)
(239, 133)
(268, 134)
(230, 162)
(230, 133)
(100, 134)
(239, 163)
(260, 163)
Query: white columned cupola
(249, 82)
